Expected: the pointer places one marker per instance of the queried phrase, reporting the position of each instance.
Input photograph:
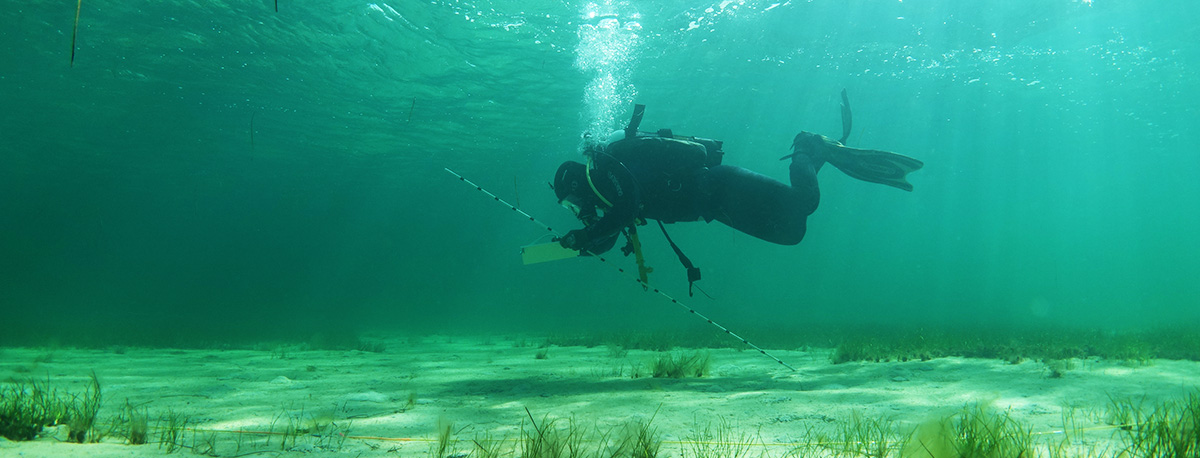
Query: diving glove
(575, 240)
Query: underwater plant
(852, 350)
(633, 340)
(332, 436)
(861, 436)
(445, 440)
(1056, 368)
(617, 351)
(204, 444)
(975, 432)
(1170, 430)
(719, 440)
(412, 401)
(643, 438)
(681, 364)
(546, 440)
(21, 416)
(137, 424)
(171, 427)
(82, 411)
(1123, 412)
(487, 447)
(371, 346)
(1013, 345)
(27, 407)
(550, 438)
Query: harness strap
(588, 173)
(693, 272)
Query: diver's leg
(761, 206)
(803, 172)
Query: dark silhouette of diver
(673, 178)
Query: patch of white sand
(484, 386)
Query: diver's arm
(600, 246)
(602, 235)
(619, 187)
(596, 237)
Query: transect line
(624, 273)
(502, 201)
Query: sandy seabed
(390, 403)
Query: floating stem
(75, 30)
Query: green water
(217, 167)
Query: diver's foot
(816, 147)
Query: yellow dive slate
(545, 252)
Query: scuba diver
(672, 178)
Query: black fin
(875, 166)
(634, 121)
(847, 119)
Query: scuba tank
(713, 148)
(685, 147)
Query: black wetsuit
(668, 180)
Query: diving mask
(570, 204)
(582, 210)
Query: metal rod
(626, 274)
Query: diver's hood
(571, 178)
